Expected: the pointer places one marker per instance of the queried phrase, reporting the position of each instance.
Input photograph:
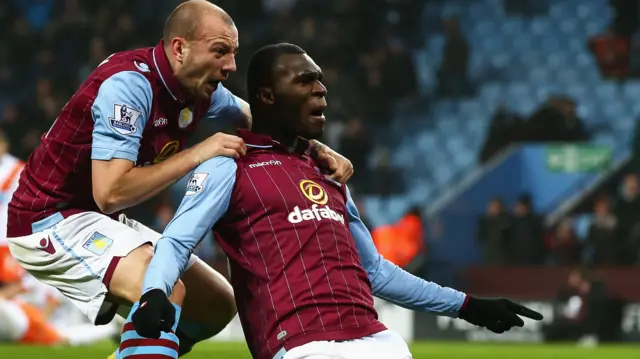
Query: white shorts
(384, 345)
(78, 256)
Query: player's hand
(220, 144)
(154, 315)
(337, 166)
(497, 315)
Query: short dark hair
(262, 63)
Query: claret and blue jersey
(303, 265)
(130, 107)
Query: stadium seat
(532, 59)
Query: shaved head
(185, 20)
(200, 42)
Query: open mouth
(213, 83)
(318, 112)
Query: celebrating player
(117, 143)
(302, 264)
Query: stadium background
(465, 112)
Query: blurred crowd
(606, 235)
(554, 121)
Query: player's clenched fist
(497, 315)
(220, 144)
(154, 315)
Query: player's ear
(178, 48)
(266, 96)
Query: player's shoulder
(126, 66)
(133, 60)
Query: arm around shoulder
(120, 113)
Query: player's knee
(178, 293)
(125, 286)
(186, 343)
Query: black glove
(154, 315)
(497, 315)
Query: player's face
(210, 58)
(300, 94)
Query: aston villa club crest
(185, 118)
(125, 119)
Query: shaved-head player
(118, 142)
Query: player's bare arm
(117, 184)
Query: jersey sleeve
(206, 200)
(120, 113)
(225, 110)
(394, 284)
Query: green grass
(423, 350)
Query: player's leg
(40, 332)
(125, 288)
(209, 305)
(92, 259)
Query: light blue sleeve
(206, 200)
(224, 109)
(120, 113)
(394, 284)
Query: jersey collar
(260, 141)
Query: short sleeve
(120, 113)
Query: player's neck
(175, 69)
(285, 139)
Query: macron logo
(267, 163)
(315, 213)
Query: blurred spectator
(493, 233)
(604, 240)
(555, 121)
(526, 8)
(526, 242)
(634, 55)
(503, 130)
(403, 242)
(628, 214)
(564, 245)
(403, 82)
(453, 78)
(384, 180)
(579, 314)
(612, 53)
(625, 20)
(355, 144)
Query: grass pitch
(422, 350)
